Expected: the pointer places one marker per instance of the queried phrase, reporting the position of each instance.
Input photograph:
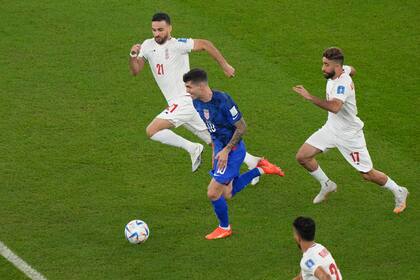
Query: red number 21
(160, 70)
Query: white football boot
(196, 157)
(326, 188)
(400, 200)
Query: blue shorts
(235, 160)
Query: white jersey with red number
(318, 256)
(346, 120)
(168, 62)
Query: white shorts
(182, 112)
(352, 147)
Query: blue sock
(221, 209)
(239, 183)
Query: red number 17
(355, 156)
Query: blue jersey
(220, 115)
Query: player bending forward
(168, 60)
(343, 130)
(317, 262)
(226, 125)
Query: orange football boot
(219, 233)
(269, 168)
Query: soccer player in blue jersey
(226, 125)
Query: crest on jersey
(206, 114)
(310, 263)
(340, 89)
(166, 54)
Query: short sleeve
(143, 50)
(184, 45)
(347, 69)
(231, 111)
(341, 91)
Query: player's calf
(400, 193)
(375, 176)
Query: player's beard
(329, 75)
(161, 40)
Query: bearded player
(343, 130)
(317, 262)
(168, 59)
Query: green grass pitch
(76, 164)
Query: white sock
(202, 134)
(251, 161)
(392, 186)
(320, 175)
(168, 137)
(225, 228)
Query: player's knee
(213, 195)
(150, 131)
(301, 159)
(368, 176)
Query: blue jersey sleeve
(231, 111)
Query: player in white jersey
(317, 262)
(169, 61)
(343, 130)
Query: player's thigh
(320, 141)
(215, 189)
(355, 151)
(307, 151)
(158, 124)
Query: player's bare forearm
(321, 274)
(136, 65)
(330, 105)
(237, 135)
(205, 45)
(222, 156)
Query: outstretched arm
(136, 63)
(333, 105)
(205, 45)
(222, 156)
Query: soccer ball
(136, 232)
